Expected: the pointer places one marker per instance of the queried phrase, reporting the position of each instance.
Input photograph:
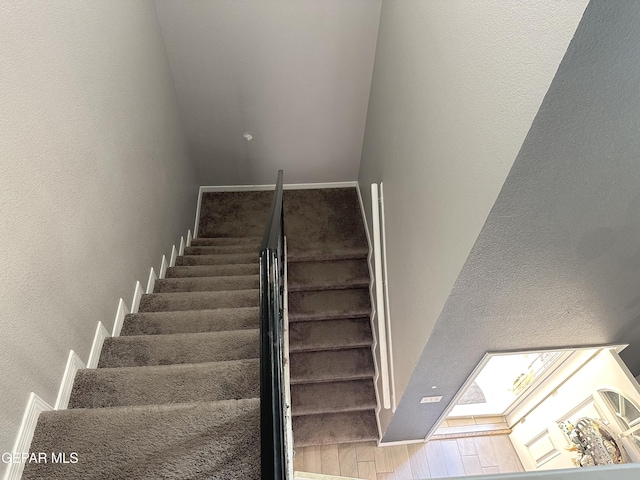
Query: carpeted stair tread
(205, 440)
(220, 259)
(159, 302)
(207, 284)
(328, 304)
(328, 275)
(213, 270)
(208, 382)
(344, 427)
(330, 334)
(353, 253)
(222, 249)
(204, 242)
(315, 398)
(326, 366)
(234, 214)
(191, 321)
(323, 220)
(145, 350)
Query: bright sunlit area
(501, 381)
(564, 408)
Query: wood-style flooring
(434, 459)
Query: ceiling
(293, 75)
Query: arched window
(627, 413)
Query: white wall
(295, 74)
(95, 181)
(557, 262)
(455, 88)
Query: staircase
(333, 399)
(176, 396)
(331, 364)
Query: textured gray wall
(557, 262)
(95, 180)
(295, 74)
(455, 88)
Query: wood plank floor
(435, 459)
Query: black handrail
(272, 400)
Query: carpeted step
(333, 365)
(213, 440)
(164, 302)
(222, 259)
(221, 249)
(352, 253)
(213, 270)
(204, 242)
(207, 284)
(329, 304)
(335, 274)
(330, 334)
(144, 350)
(198, 382)
(314, 398)
(344, 427)
(191, 321)
(234, 214)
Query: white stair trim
(64, 393)
(163, 267)
(174, 255)
(98, 339)
(152, 280)
(374, 344)
(119, 321)
(137, 296)
(35, 406)
(181, 248)
(381, 322)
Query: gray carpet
(178, 348)
(176, 396)
(191, 321)
(204, 440)
(113, 387)
(329, 305)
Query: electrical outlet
(435, 399)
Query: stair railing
(273, 429)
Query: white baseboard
(258, 188)
(151, 283)
(73, 365)
(174, 256)
(137, 296)
(98, 339)
(198, 205)
(119, 321)
(286, 186)
(163, 267)
(383, 227)
(374, 346)
(35, 406)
